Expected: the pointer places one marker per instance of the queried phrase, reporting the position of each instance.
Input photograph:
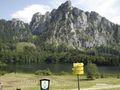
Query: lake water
(59, 68)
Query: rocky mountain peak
(38, 21)
(73, 27)
(65, 6)
(17, 24)
(36, 17)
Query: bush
(92, 71)
(103, 75)
(2, 73)
(63, 73)
(118, 76)
(45, 72)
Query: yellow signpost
(78, 69)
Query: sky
(24, 9)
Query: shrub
(102, 75)
(92, 71)
(63, 73)
(45, 72)
(118, 75)
(2, 73)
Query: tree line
(51, 54)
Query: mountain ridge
(70, 26)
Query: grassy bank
(62, 82)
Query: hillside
(64, 35)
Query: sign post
(78, 82)
(78, 70)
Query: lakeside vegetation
(13, 53)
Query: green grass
(112, 89)
(63, 82)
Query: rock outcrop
(75, 28)
(14, 29)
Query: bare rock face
(18, 25)
(21, 29)
(14, 29)
(38, 23)
(75, 28)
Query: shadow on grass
(85, 79)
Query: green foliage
(118, 75)
(20, 46)
(45, 72)
(2, 73)
(63, 73)
(92, 71)
(107, 75)
(103, 75)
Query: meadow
(24, 81)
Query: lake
(56, 68)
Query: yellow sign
(78, 72)
(78, 64)
(78, 68)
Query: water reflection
(58, 68)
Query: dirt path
(101, 86)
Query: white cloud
(0, 17)
(106, 8)
(56, 3)
(27, 13)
